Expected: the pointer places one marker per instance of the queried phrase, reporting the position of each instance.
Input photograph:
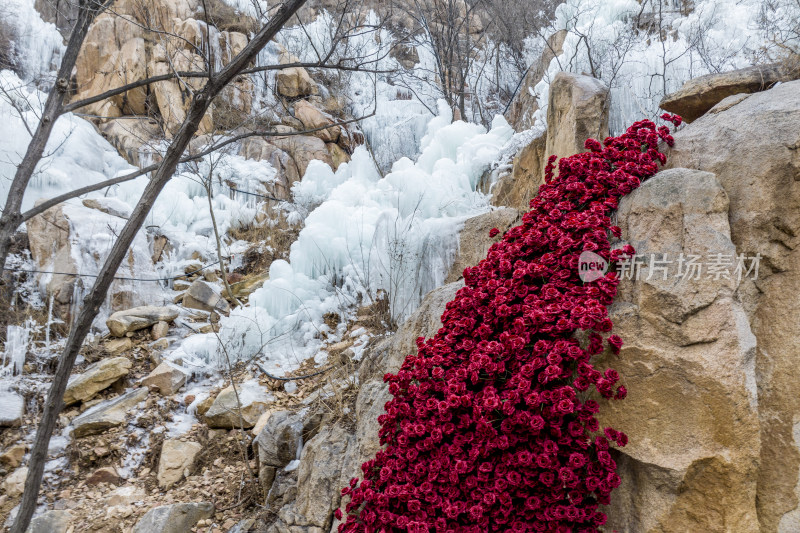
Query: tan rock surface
(312, 118)
(96, 378)
(177, 457)
(752, 148)
(474, 240)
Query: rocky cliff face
(713, 404)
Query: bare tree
(201, 101)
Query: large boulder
(700, 94)
(752, 146)
(177, 458)
(96, 378)
(175, 518)
(108, 414)
(303, 149)
(130, 320)
(474, 239)
(51, 249)
(577, 110)
(688, 364)
(14, 484)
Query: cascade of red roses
(490, 427)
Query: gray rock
(176, 518)
(12, 409)
(51, 522)
(281, 438)
(138, 318)
(205, 297)
(108, 414)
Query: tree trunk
(10, 220)
(97, 295)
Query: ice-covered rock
(177, 457)
(12, 409)
(176, 518)
(137, 318)
(228, 413)
(96, 378)
(108, 414)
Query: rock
(14, 484)
(577, 110)
(303, 149)
(160, 330)
(12, 409)
(474, 239)
(137, 318)
(318, 478)
(51, 522)
(248, 285)
(685, 339)
(700, 94)
(205, 297)
(260, 423)
(282, 437)
(126, 495)
(104, 475)
(119, 346)
(312, 118)
(51, 249)
(177, 457)
(110, 206)
(225, 413)
(752, 148)
(166, 379)
(12, 457)
(518, 188)
(520, 112)
(133, 137)
(96, 378)
(295, 82)
(108, 414)
(338, 155)
(176, 518)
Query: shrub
(491, 427)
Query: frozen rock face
(12, 409)
(753, 148)
(689, 366)
(700, 94)
(577, 110)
